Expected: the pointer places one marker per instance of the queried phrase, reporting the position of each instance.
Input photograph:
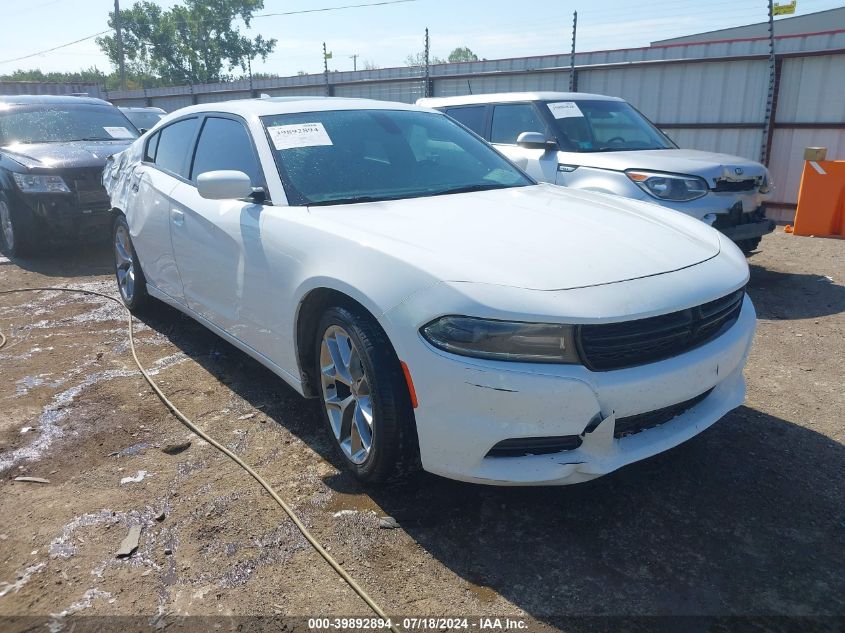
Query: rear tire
(15, 229)
(130, 278)
(366, 405)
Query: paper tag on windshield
(565, 109)
(299, 135)
(118, 132)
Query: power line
(260, 15)
(55, 48)
(348, 6)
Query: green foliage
(462, 54)
(195, 42)
(86, 75)
(419, 60)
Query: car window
(225, 144)
(144, 120)
(63, 124)
(593, 125)
(512, 119)
(174, 144)
(470, 116)
(152, 147)
(348, 156)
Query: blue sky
(385, 35)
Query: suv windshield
(63, 123)
(347, 156)
(143, 120)
(604, 126)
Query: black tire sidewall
(391, 410)
(21, 225)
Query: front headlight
(503, 340)
(674, 187)
(36, 183)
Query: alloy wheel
(125, 264)
(346, 393)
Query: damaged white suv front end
(600, 143)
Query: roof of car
(50, 100)
(290, 105)
(507, 97)
(142, 109)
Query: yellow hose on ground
(199, 432)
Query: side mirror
(535, 140)
(224, 185)
(143, 130)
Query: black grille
(88, 188)
(618, 345)
(520, 446)
(735, 185)
(642, 421)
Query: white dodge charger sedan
(449, 312)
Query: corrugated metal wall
(49, 88)
(709, 96)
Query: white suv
(600, 143)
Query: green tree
(419, 60)
(86, 75)
(462, 54)
(195, 42)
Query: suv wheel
(366, 404)
(15, 235)
(749, 246)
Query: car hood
(708, 165)
(61, 155)
(539, 237)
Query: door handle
(177, 216)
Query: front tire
(749, 246)
(15, 230)
(130, 278)
(366, 404)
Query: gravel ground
(747, 519)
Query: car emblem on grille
(738, 171)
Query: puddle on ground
(359, 502)
(482, 593)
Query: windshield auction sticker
(565, 109)
(118, 132)
(299, 135)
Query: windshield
(604, 126)
(143, 120)
(347, 156)
(62, 123)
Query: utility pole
(573, 81)
(354, 59)
(249, 66)
(119, 40)
(767, 121)
(326, 56)
(427, 86)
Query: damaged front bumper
(738, 225)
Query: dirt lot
(748, 519)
